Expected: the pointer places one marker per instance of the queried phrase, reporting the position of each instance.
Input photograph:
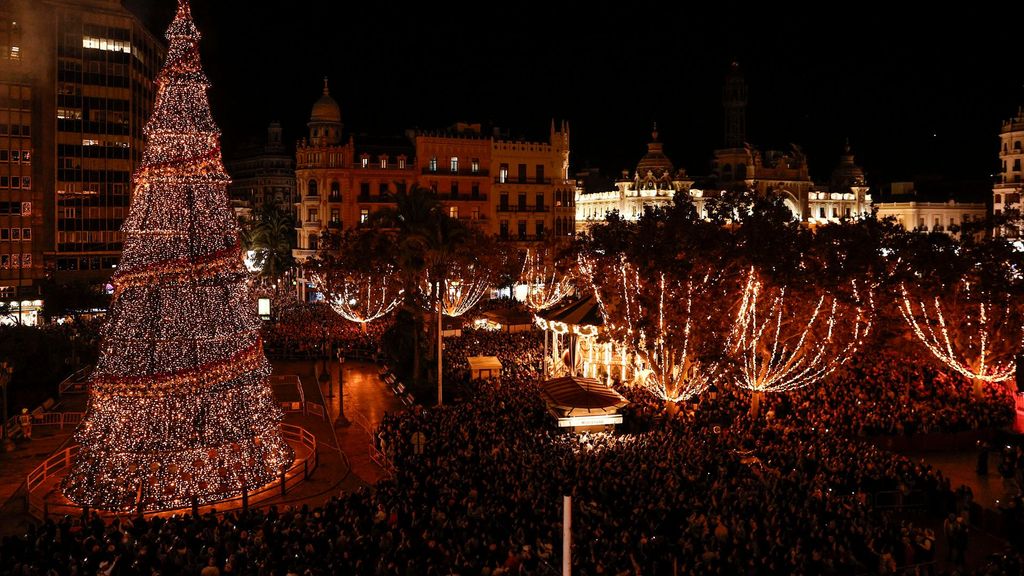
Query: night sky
(919, 96)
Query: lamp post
(341, 420)
(5, 379)
(324, 375)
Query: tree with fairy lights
(358, 288)
(546, 284)
(783, 340)
(961, 299)
(180, 410)
(669, 325)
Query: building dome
(848, 173)
(655, 160)
(326, 109)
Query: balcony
(511, 180)
(447, 172)
(367, 199)
(521, 237)
(334, 225)
(334, 198)
(311, 224)
(460, 197)
(523, 208)
(300, 254)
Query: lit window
(474, 166)
(433, 164)
(401, 163)
(364, 161)
(26, 156)
(87, 142)
(453, 212)
(364, 215)
(455, 163)
(503, 173)
(476, 213)
(383, 161)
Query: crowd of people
(308, 330)
(704, 489)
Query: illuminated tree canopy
(180, 405)
(546, 285)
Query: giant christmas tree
(181, 405)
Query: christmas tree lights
(181, 408)
(545, 284)
(358, 296)
(980, 345)
(781, 344)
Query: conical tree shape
(181, 405)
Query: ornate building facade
(262, 175)
(516, 189)
(1006, 193)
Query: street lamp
(5, 379)
(341, 420)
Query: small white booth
(484, 367)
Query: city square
(236, 339)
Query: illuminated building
(262, 175)
(516, 189)
(1007, 189)
(22, 201)
(654, 182)
(92, 89)
(922, 214)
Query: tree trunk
(755, 405)
(977, 387)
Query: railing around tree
(39, 480)
(77, 382)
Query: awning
(477, 363)
(574, 396)
(582, 312)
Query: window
(313, 242)
(26, 181)
(311, 188)
(401, 162)
(503, 228)
(382, 188)
(453, 212)
(1016, 163)
(433, 164)
(540, 173)
(455, 164)
(998, 199)
(314, 215)
(1016, 145)
(476, 190)
(476, 213)
(433, 187)
(835, 212)
(383, 161)
(16, 156)
(540, 202)
(503, 173)
(364, 190)
(26, 234)
(821, 212)
(539, 227)
(474, 165)
(364, 215)
(522, 173)
(335, 215)
(455, 189)
(364, 161)
(26, 156)
(5, 234)
(335, 192)
(15, 233)
(522, 229)
(522, 201)
(503, 203)
(920, 224)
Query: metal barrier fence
(76, 383)
(301, 469)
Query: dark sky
(922, 94)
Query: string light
(776, 351)
(977, 363)
(546, 286)
(360, 296)
(181, 406)
(463, 288)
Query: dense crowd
(303, 331)
(700, 490)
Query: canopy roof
(483, 363)
(582, 312)
(509, 317)
(575, 396)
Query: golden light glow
(181, 406)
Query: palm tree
(271, 236)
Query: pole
(5, 378)
(341, 420)
(544, 359)
(440, 352)
(566, 535)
